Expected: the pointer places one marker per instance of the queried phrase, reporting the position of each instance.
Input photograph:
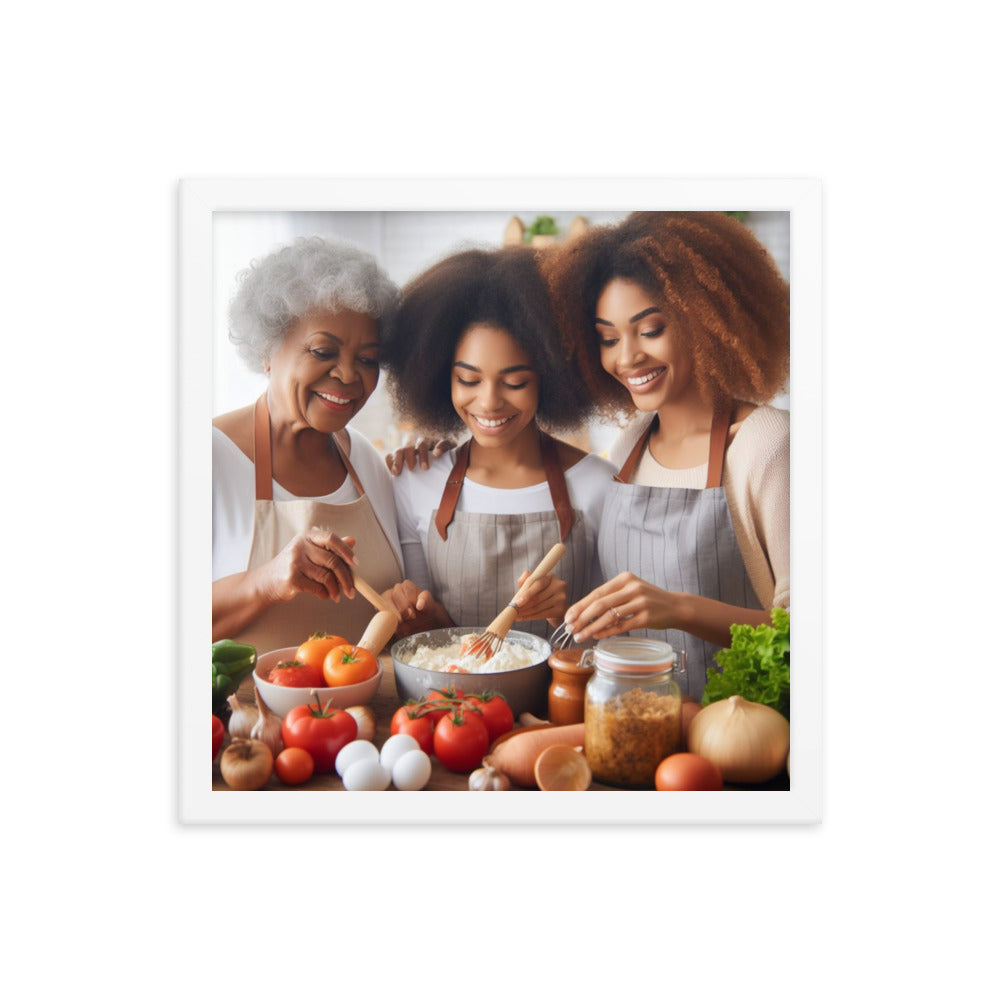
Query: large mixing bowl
(526, 688)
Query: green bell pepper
(231, 663)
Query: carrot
(515, 755)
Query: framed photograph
(409, 224)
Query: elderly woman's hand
(421, 450)
(418, 609)
(313, 562)
(545, 598)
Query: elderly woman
(296, 493)
(682, 318)
(475, 348)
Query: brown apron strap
(626, 472)
(263, 473)
(262, 450)
(721, 420)
(557, 485)
(449, 498)
(553, 474)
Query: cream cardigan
(756, 480)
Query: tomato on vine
(416, 721)
(494, 712)
(460, 740)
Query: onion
(748, 742)
(246, 765)
(365, 718)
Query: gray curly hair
(311, 273)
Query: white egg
(394, 748)
(366, 776)
(354, 751)
(412, 771)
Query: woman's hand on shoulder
(422, 450)
(314, 562)
(621, 605)
(418, 609)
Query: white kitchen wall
(405, 243)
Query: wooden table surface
(384, 705)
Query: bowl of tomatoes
(327, 667)
(525, 687)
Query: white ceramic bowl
(282, 700)
(526, 688)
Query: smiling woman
(295, 492)
(682, 319)
(475, 348)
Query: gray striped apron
(678, 539)
(474, 560)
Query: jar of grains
(632, 710)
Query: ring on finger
(617, 614)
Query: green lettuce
(757, 665)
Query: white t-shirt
(233, 498)
(418, 495)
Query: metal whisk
(485, 646)
(562, 638)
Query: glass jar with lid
(632, 710)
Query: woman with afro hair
(682, 319)
(475, 348)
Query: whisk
(562, 638)
(485, 646)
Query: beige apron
(475, 559)
(276, 522)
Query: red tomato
(494, 711)
(347, 664)
(294, 673)
(446, 695)
(218, 734)
(322, 730)
(421, 727)
(313, 651)
(294, 765)
(687, 772)
(460, 740)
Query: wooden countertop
(384, 705)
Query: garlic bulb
(747, 741)
(488, 779)
(267, 728)
(242, 719)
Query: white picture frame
(199, 201)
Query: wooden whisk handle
(545, 566)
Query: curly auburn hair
(706, 268)
(502, 288)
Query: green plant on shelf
(544, 225)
